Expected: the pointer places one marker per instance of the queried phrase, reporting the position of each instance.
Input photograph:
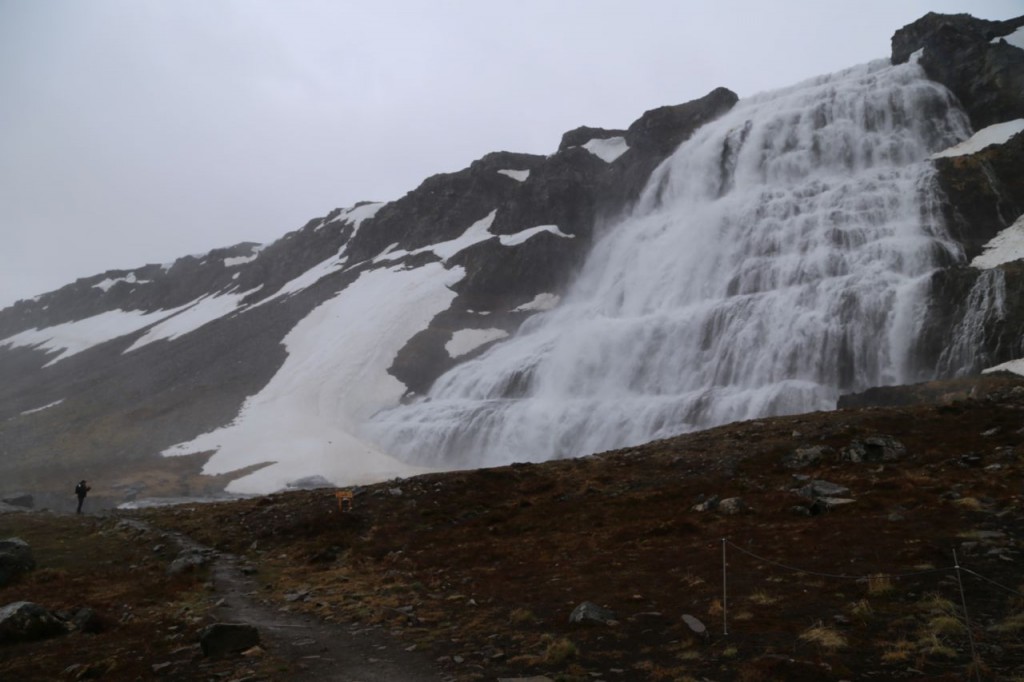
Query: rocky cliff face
(106, 373)
(982, 64)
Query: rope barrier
(956, 567)
(839, 576)
(993, 582)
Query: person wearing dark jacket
(82, 489)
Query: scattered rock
(226, 638)
(24, 621)
(819, 488)
(15, 559)
(589, 612)
(971, 461)
(874, 449)
(696, 627)
(188, 560)
(732, 505)
(825, 504)
(299, 595)
(710, 504)
(806, 456)
(86, 620)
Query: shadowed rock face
(959, 52)
(983, 191)
(111, 408)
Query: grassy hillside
(481, 569)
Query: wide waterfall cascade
(775, 260)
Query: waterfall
(985, 306)
(772, 262)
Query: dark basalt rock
(985, 192)
(583, 134)
(221, 639)
(15, 559)
(987, 77)
(26, 622)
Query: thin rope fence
(838, 576)
(955, 570)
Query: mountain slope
(260, 366)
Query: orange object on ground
(344, 500)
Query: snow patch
(357, 214)
(467, 340)
(475, 233)
(304, 421)
(519, 175)
(71, 338)
(309, 277)
(242, 260)
(1015, 366)
(1016, 38)
(520, 237)
(129, 278)
(1005, 247)
(44, 407)
(198, 313)
(607, 149)
(540, 303)
(997, 133)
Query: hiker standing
(82, 489)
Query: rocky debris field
(875, 542)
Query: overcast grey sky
(138, 131)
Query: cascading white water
(986, 303)
(772, 262)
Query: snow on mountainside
(256, 366)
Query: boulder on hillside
(806, 456)
(589, 612)
(189, 560)
(24, 621)
(227, 638)
(874, 449)
(818, 488)
(15, 559)
(20, 500)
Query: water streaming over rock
(774, 261)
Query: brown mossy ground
(481, 569)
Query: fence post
(967, 621)
(725, 596)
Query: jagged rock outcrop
(983, 190)
(965, 54)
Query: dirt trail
(322, 652)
